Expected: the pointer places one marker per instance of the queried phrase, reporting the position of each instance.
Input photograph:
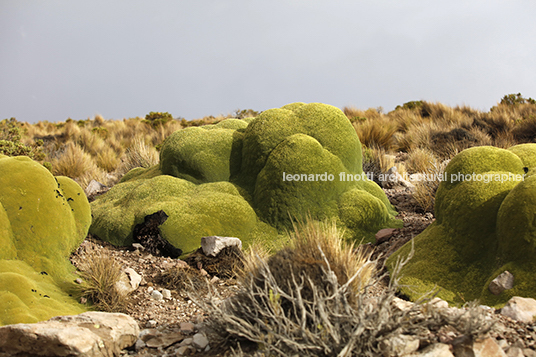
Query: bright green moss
(47, 223)
(42, 220)
(483, 224)
(200, 155)
(194, 211)
(527, 154)
(234, 124)
(141, 173)
(278, 199)
(228, 179)
(27, 296)
(8, 250)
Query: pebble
(157, 295)
(200, 341)
(151, 324)
(166, 294)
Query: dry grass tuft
(72, 161)
(376, 132)
(279, 320)
(420, 160)
(100, 273)
(425, 190)
(138, 154)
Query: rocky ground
(172, 324)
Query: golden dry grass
(100, 274)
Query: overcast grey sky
(121, 59)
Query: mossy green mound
(42, 220)
(27, 296)
(230, 179)
(484, 225)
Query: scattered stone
(151, 324)
(139, 344)
(400, 345)
(129, 281)
(392, 178)
(439, 303)
(502, 282)
(479, 348)
(529, 353)
(148, 333)
(166, 294)
(435, 350)
(199, 341)
(78, 281)
(187, 328)
(520, 309)
(186, 342)
(138, 246)
(213, 245)
(515, 352)
(184, 350)
(157, 295)
(401, 305)
(214, 280)
(92, 333)
(384, 234)
(94, 188)
(165, 341)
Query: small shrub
(138, 154)
(280, 321)
(11, 132)
(515, 99)
(100, 273)
(245, 113)
(413, 105)
(156, 119)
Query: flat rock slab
(213, 245)
(91, 334)
(520, 309)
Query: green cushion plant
(230, 179)
(484, 226)
(42, 220)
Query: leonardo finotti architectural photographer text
(457, 177)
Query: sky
(194, 58)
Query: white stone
(151, 324)
(400, 345)
(439, 303)
(128, 282)
(92, 333)
(520, 309)
(502, 282)
(199, 341)
(139, 344)
(157, 295)
(479, 348)
(94, 187)
(138, 246)
(515, 352)
(166, 294)
(214, 244)
(401, 305)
